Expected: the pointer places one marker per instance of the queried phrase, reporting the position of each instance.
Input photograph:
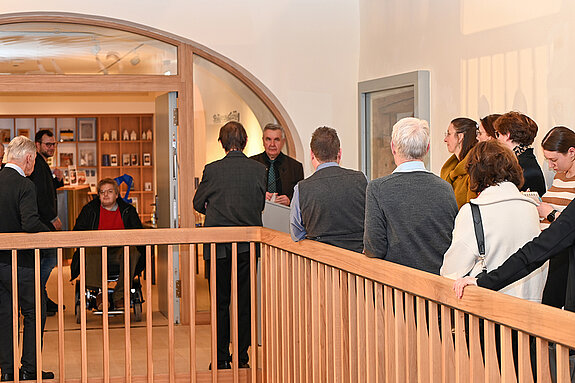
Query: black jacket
(19, 213)
(89, 219)
(560, 235)
(232, 193)
(46, 194)
(534, 179)
(288, 172)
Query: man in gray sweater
(409, 214)
(329, 205)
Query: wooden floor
(72, 347)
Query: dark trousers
(223, 300)
(27, 309)
(556, 285)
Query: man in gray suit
(232, 193)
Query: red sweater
(110, 220)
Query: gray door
(167, 198)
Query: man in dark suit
(283, 172)
(19, 214)
(46, 195)
(1, 155)
(232, 193)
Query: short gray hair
(274, 126)
(19, 148)
(410, 137)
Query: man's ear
(393, 149)
(339, 156)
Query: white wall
(485, 56)
(305, 51)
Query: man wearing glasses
(46, 184)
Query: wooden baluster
(149, 319)
(524, 358)
(61, 358)
(370, 334)
(253, 314)
(461, 353)
(390, 353)
(507, 364)
(105, 316)
(380, 336)
(410, 339)
(361, 331)
(213, 312)
(435, 345)
(423, 374)
(400, 344)
(476, 366)
(542, 352)
(447, 347)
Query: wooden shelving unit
(87, 155)
(140, 170)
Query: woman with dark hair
(509, 220)
(486, 131)
(517, 131)
(559, 150)
(460, 137)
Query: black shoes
(25, 375)
(52, 307)
(222, 366)
(228, 366)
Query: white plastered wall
(305, 51)
(485, 56)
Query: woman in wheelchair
(107, 212)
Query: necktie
(272, 178)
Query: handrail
(501, 308)
(314, 294)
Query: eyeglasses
(50, 144)
(104, 192)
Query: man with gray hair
(409, 214)
(19, 211)
(282, 172)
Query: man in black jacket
(46, 195)
(232, 193)
(19, 213)
(107, 212)
(283, 172)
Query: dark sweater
(409, 219)
(19, 213)
(534, 179)
(332, 203)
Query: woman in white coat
(509, 220)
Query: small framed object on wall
(113, 160)
(86, 129)
(134, 159)
(66, 159)
(125, 159)
(73, 175)
(5, 136)
(24, 132)
(147, 158)
(147, 186)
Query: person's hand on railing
(460, 284)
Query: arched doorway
(116, 58)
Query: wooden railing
(330, 315)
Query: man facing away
(232, 193)
(46, 195)
(283, 172)
(409, 214)
(329, 205)
(19, 212)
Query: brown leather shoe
(119, 304)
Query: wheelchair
(136, 296)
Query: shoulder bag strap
(478, 226)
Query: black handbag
(480, 237)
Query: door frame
(182, 83)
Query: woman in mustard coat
(460, 137)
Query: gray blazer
(232, 193)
